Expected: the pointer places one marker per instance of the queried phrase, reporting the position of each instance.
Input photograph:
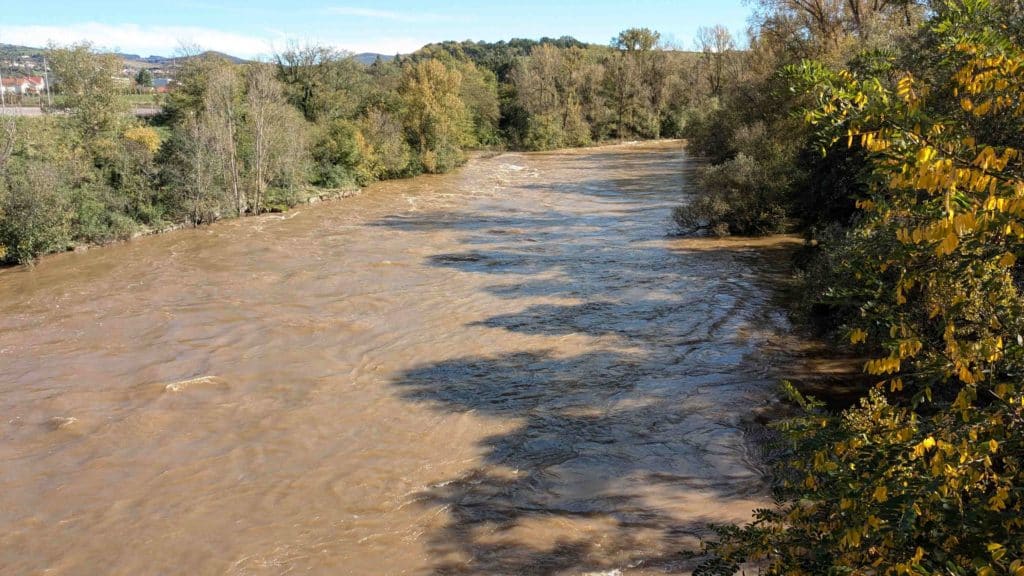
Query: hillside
(368, 58)
(27, 59)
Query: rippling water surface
(510, 369)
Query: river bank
(305, 197)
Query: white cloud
(143, 40)
(372, 13)
(166, 40)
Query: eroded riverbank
(509, 369)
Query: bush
(751, 192)
(385, 137)
(708, 130)
(35, 217)
(736, 197)
(98, 216)
(340, 155)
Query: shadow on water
(620, 456)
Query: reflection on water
(511, 369)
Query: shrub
(99, 217)
(736, 197)
(340, 156)
(708, 130)
(35, 217)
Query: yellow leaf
(918, 555)
(948, 244)
(1007, 260)
(881, 494)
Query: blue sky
(259, 27)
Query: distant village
(27, 74)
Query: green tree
(635, 82)
(275, 133)
(436, 116)
(223, 113)
(88, 82)
(321, 82)
(144, 79)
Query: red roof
(38, 80)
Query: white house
(24, 85)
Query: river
(510, 369)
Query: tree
(190, 169)
(925, 475)
(435, 114)
(321, 82)
(222, 110)
(385, 137)
(718, 57)
(639, 40)
(635, 80)
(825, 24)
(275, 134)
(479, 93)
(88, 82)
(144, 79)
(559, 90)
(8, 137)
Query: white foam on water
(62, 422)
(183, 384)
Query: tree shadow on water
(571, 487)
(619, 456)
(607, 448)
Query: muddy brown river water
(511, 369)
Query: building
(24, 85)
(162, 85)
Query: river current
(510, 369)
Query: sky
(258, 28)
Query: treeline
(892, 134)
(241, 139)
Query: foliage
(88, 84)
(438, 122)
(35, 211)
(925, 475)
(748, 193)
(238, 139)
(144, 78)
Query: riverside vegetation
(242, 139)
(890, 132)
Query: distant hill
(368, 58)
(10, 53)
(136, 61)
(20, 60)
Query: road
(33, 111)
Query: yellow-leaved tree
(926, 474)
